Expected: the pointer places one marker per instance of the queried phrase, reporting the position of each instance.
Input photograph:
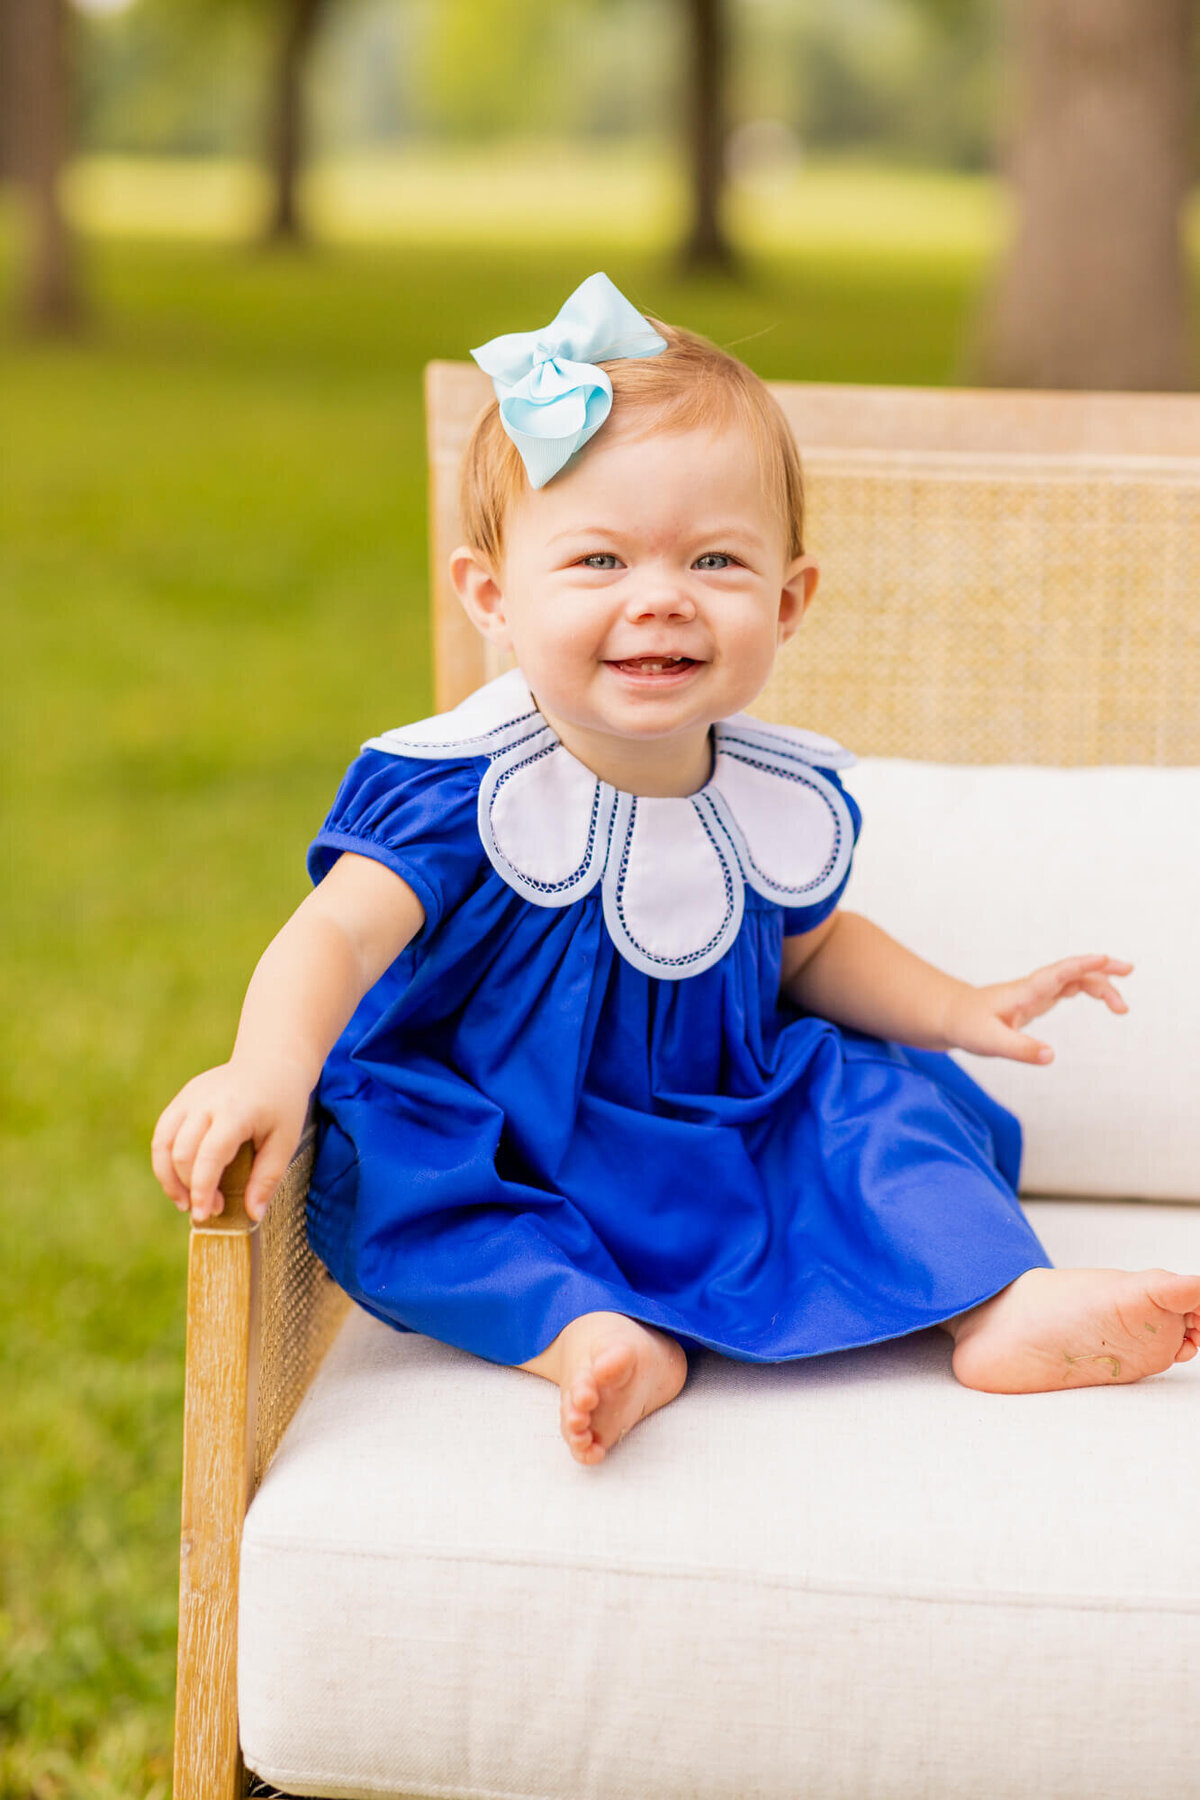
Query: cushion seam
(732, 1577)
(274, 1772)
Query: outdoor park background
(212, 521)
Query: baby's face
(645, 592)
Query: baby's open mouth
(653, 665)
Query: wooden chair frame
(261, 1311)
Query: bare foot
(1066, 1328)
(612, 1371)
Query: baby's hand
(988, 1020)
(208, 1121)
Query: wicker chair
(1007, 578)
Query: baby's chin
(622, 710)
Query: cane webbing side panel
(989, 609)
(1006, 576)
(299, 1309)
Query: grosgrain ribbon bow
(552, 396)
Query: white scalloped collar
(673, 871)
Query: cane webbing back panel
(1006, 577)
(299, 1311)
(1000, 610)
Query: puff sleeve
(799, 919)
(417, 817)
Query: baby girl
(604, 1075)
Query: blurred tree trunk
(38, 87)
(299, 20)
(1094, 290)
(8, 91)
(706, 24)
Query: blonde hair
(691, 384)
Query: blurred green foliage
(188, 75)
(915, 78)
(577, 68)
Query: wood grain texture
(215, 1482)
(262, 1312)
(979, 421)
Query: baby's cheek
(561, 623)
(750, 648)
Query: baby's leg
(612, 1371)
(1060, 1328)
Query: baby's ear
(799, 585)
(478, 588)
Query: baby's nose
(661, 596)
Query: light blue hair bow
(552, 396)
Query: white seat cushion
(992, 872)
(848, 1577)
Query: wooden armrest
(261, 1313)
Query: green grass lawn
(212, 549)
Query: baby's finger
(164, 1169)
(1101, 989)
(1019, 1047)
(1079, 969)
(214, 1156)
(270, 1166)
(1063, 980)
(1056, 976)
(169, 1120)
(1030, 1050)
(994, 1036)
(188, 1139)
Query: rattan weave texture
(1012, 609)
(300, 1308)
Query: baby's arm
(851, 972)
(308, 982)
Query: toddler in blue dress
(604, 1074)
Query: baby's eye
(600, 559)
(714, 559)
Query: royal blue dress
(579, 1089)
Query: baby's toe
(1186, 1350)
(576, 1418)
(614, 1366)
(1174, 1293)
(582, 1395)
(577, 1433)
